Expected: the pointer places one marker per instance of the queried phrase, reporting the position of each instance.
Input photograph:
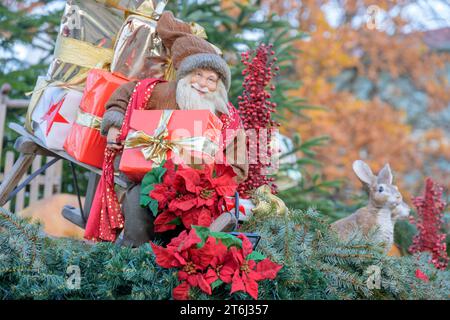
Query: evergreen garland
(316, 265)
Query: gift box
(85, 40)
(139, 52)
(184, 136)
(84, 142)
(52, 112)
(245, 207)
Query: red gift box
(85, 143)
(185, 136)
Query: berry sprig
(256, 110)
(430, 238)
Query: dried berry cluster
(430, 208)
(255, 109)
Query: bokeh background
(359, 80)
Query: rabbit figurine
(384, 208)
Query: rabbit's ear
(385, 175)
(363, 172)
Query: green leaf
(144, 200)
(176, 221)
(203, 233)
(216, 283)
(146, 190)
(153, 176)
(227, 239)
(153, 206)
(256, 256)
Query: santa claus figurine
(202, 82)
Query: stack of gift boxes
(101, 45)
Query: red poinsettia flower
(249, 272)
(191, 196)
(183, 253)
(165, 191)
(224, 183)
(222, 267)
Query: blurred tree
(27, 27)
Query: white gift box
(54, 114)
(245, 207)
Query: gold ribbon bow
(155, 147)
(88, 120)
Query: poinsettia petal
(251, 287)
(237, 284)
(176, 241)
(211, 276)
(182, 275)
(181, 292)
(179, 257)
(203, 256)
(204, 218)
(184, 203)
(191, 178)
(191, 240)
(192, 280)
(165, 257)
(189, 218)
(226, 273)
(247, 246)
(267, 269)
(203, 284)
(161, 223)
(237, 255)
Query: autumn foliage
(372, 129)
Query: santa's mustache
(196, 86)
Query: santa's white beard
(189, 98)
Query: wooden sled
(30, 146)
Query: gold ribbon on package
(88, 120)
(155, 147)
(82, 53)
(196, 30)
(146, 8)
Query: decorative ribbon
(88, 120)
(155, 147)
(105, 218)
(147, 8)
(82, 53)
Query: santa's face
(202, 89)
(204, 81)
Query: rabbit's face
(384, 195)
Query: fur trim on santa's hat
(210, 61)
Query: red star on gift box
(53, 115)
